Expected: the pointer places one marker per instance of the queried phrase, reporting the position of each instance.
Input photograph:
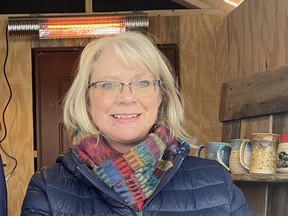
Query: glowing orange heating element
(83, 27)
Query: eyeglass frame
(155, 82)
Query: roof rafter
(207, 4)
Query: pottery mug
(282, 154)
(264, 152)
(219, 151)
(235, 156)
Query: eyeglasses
(113, 88)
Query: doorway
(53, 73)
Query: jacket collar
(82, 172)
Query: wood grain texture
(277, 199)
(274, 178)
(19, 120)
(200, 71)
(254, 125)
(258, 94)
(280, 123)
(164, 29)
(231, 130)
(258, 37)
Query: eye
(108, 85)
(143, 83)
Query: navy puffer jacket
(193, 187)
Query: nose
(126, 95)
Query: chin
(132, 138)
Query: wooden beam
(207, 4)
(88, 6)
(191, 3)
(234, 2)
(150, 13)
(220, 4)
(180, 12)
(259, 94)
(186, 12)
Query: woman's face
(124, 119)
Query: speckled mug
(219, 151)
(264, 153)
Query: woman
(129, 152)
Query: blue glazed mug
(219, 151)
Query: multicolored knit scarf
(134, 175)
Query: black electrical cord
(6, 106)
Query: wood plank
(231, 130)
(220, 4)
(198, 76)
(19, 122)
(258, 36)
(191, 3)
(277, 199)
(236, 42)
(250, 177)
(259, 94)
(255, 125)
(275, 28)
(184, 12)
(280, 123)
(164, 29)
(88, 6)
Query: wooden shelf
(279, 177)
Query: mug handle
(219, 157)
(241, 151)
(199, 150)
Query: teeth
(125, 116)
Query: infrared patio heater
(64, 27)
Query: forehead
(112, 65)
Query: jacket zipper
(108, 192)
(178, 162)
(165, 180)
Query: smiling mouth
(125, 116)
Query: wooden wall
(200, 72)
(19, 122)
(204, 65)
(258, 37)
(258, 40)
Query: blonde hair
(133, 48)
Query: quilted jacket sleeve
(35, 201)
(239, 206)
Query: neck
(122, 148)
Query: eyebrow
(117, 77)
